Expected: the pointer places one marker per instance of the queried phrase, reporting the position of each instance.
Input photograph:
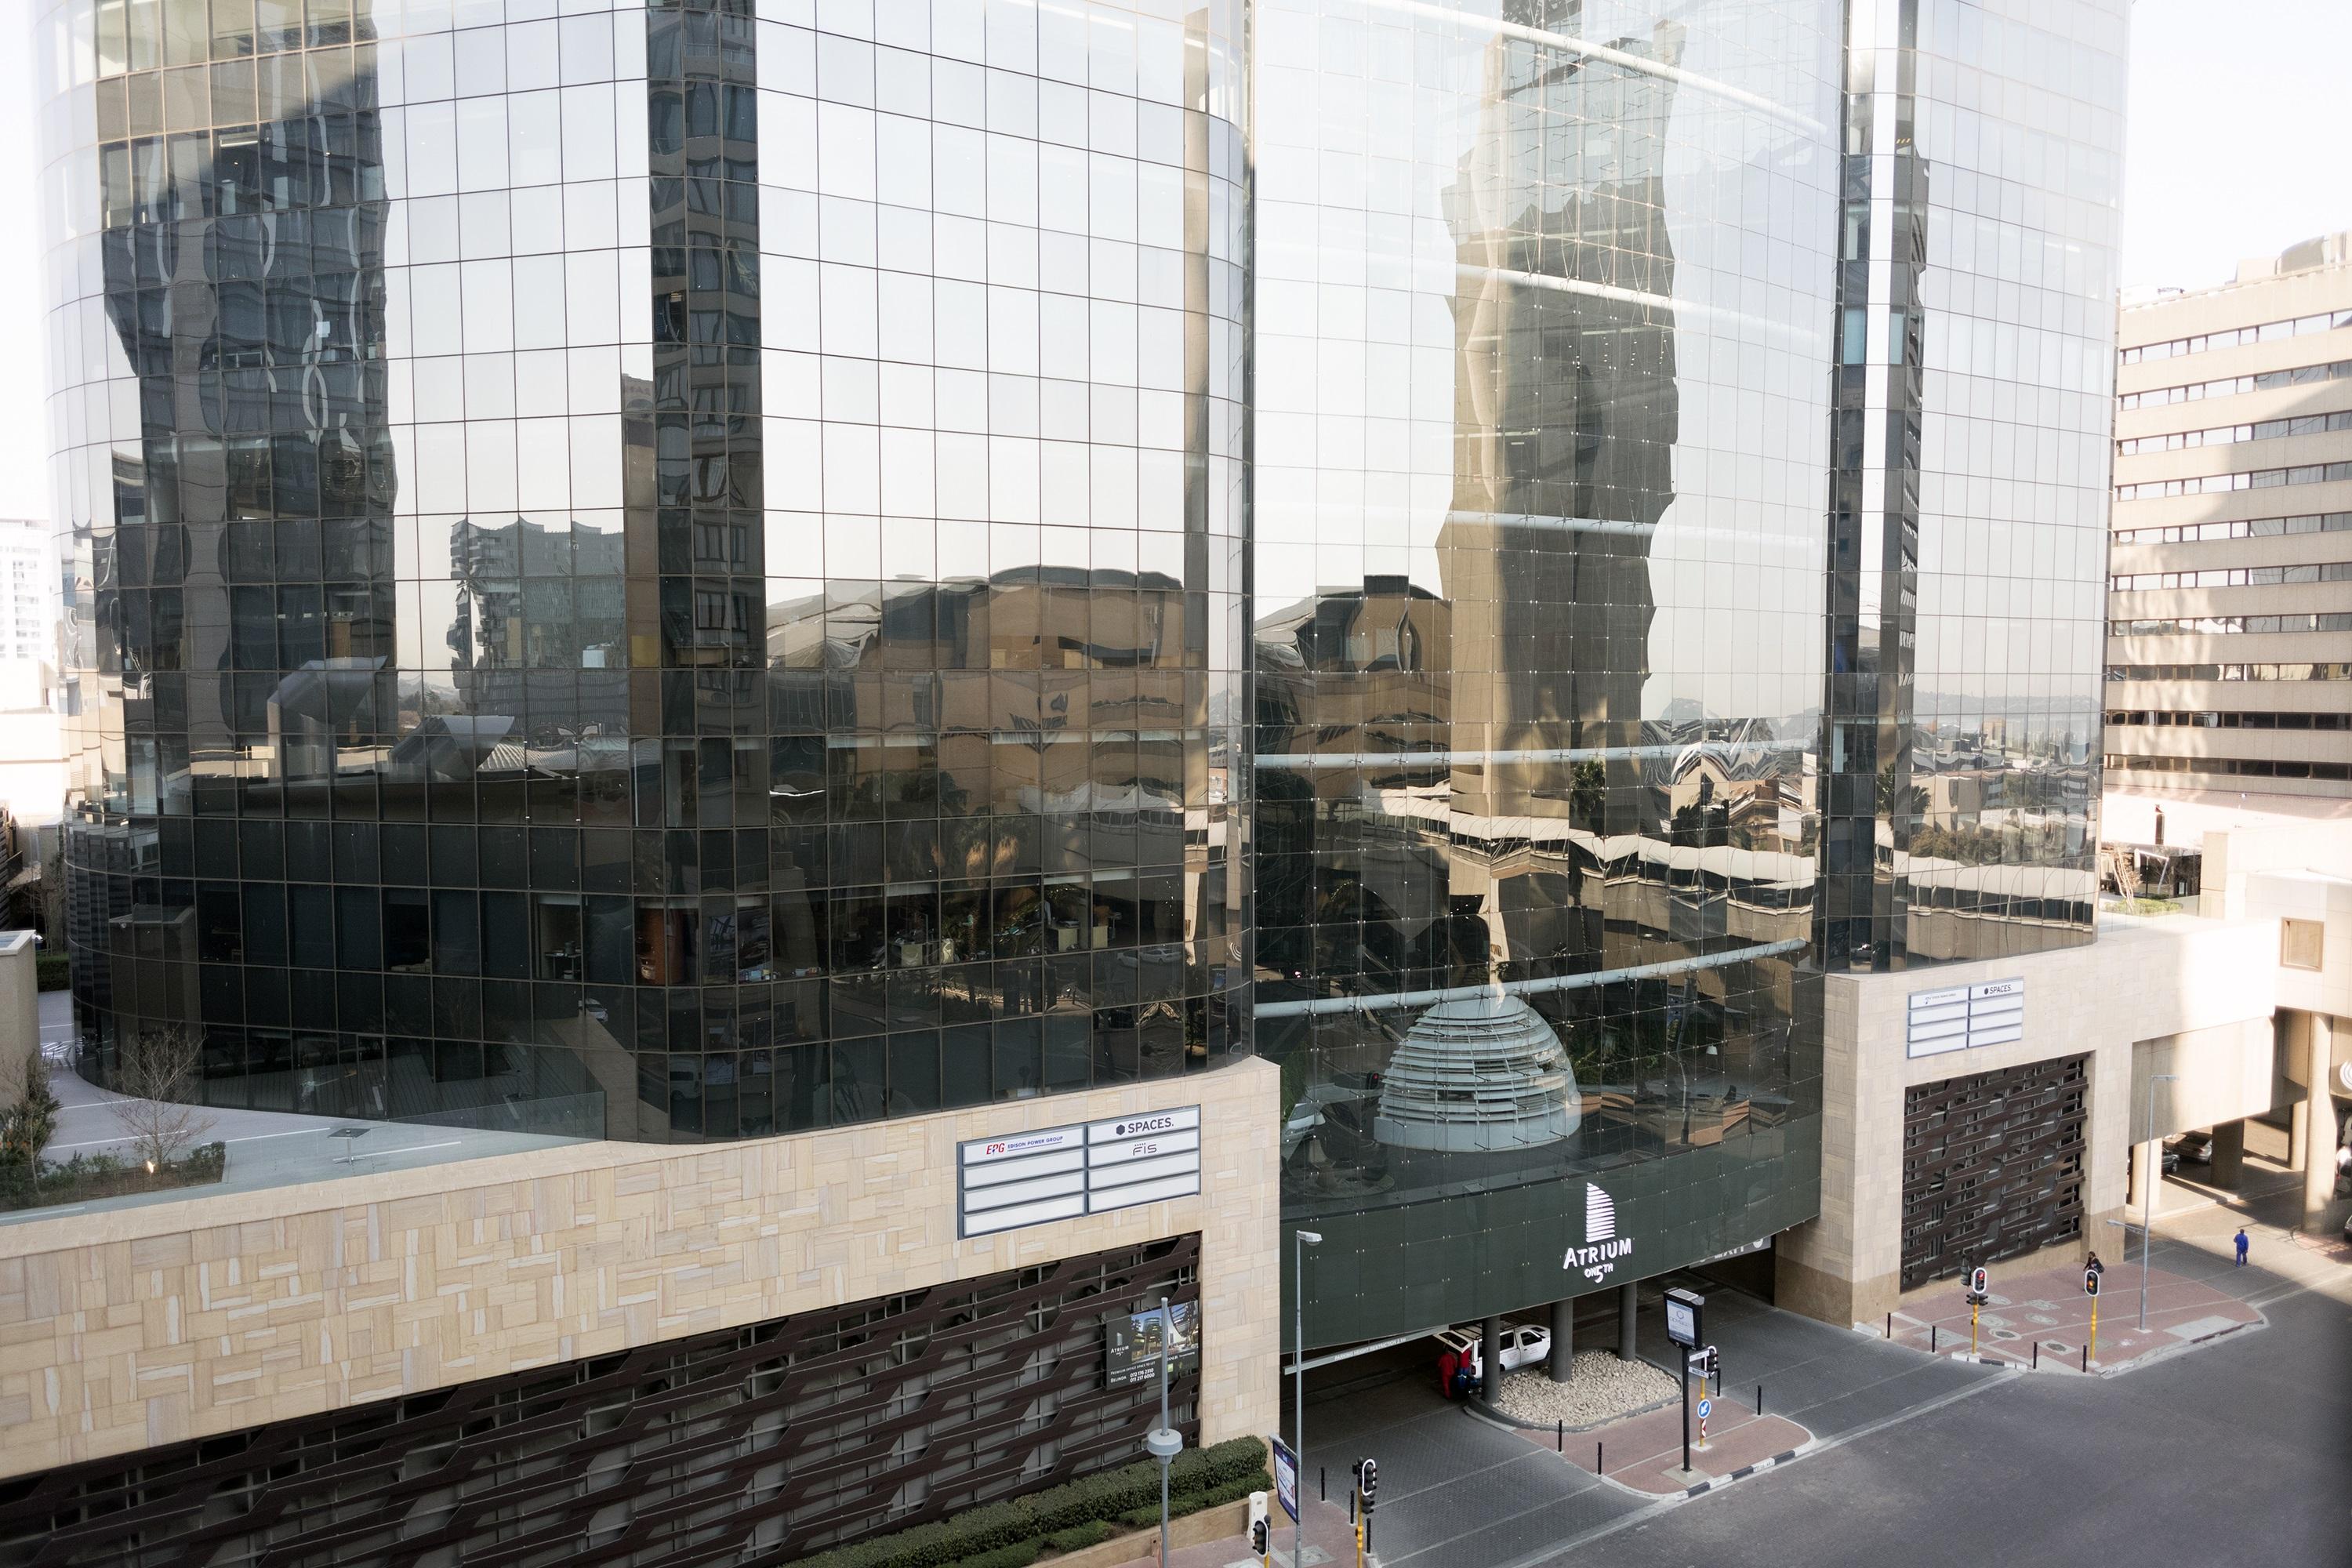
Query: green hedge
(51, 972)
(1202, 1476)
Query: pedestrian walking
(2097, 1266)
(1446, 1365)
(2242, 1245)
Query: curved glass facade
(1544, 308)
(653, 572)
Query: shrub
(51, 972)
(1227, 1471)
(1080, 1536)
(1019, 1556)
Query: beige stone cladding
(126, 1328)
(2140, 981)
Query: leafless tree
(2123, 860)
(159, 1073)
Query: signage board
(1132, 1345)
(1061, 1173)
(1683, 1309)
(1963, 1017)
(1286, 1476)
(1706, 1408)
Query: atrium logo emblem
(1597, 1259)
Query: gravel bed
(1602, 1389)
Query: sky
(2234, 148)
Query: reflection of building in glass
(1482, 1075)
(572, 623)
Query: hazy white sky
(2236, 147)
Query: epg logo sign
(996, 1148)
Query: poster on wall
(1132, 1345)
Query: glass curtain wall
(651, 572)
(1544, 301)
(1974, 379)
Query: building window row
(2239, 527)
(2232, 385)
(2254, 479)
(2231, 577)
(2191, 719)
(2241, 767)
(2265, 332)
(2319, 671)
(2229, 434)
(2228, 625)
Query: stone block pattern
(150, 1326)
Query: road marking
(1558, 1550)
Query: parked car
(1523, 1344)
(2193, 1149)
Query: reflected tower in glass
(1543, 313)
(661, 572)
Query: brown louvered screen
(750, 1446)
(1993, 1166)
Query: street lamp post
(1302, 1240)
(2155, 1188)
(1164, 1443)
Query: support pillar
(1563, 1341)
(2230, 1155)
(2137, 1199)
(1490, 1360)
(1627, 1300)
(2319, 1121)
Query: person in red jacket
(1446, 1365)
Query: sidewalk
(1330, 1539)
(2048, 1309)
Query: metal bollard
(1596, 1457)
(1890, 1325)
(2037, 1355)
(1561, 1436)
(1931, 1338)
(2086, 1358)
(1759, 1399)
(1322, 1481)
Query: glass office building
(668, 572)
(1676, 518)
(692, 571)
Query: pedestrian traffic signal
(2090, 1281)
(1368, 1477)
(1257, 1537)
(1979, 1282)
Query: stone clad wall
(126, 1328)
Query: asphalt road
(2236, 1452)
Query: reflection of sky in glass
(1358, 276)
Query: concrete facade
(2233, 534)
(2176, 986)
(20, 1010)
(124, 1329)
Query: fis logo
(1597, 1259)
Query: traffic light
(1368, 1474)
(2090, 1281)
(1257, 1536)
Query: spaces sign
(1960, 1017)
(1061, 1173)
(1133, 1345)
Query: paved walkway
(2048, 1309)
(1329, 1537)
(1645, 1451)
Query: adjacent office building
(865, 610)
(2228, 648)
